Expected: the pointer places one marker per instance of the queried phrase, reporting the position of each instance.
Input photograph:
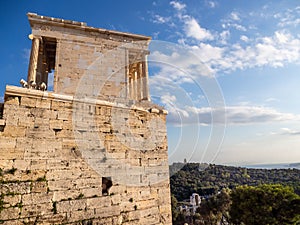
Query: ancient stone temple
(80, 140)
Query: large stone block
(40, 186)
(36, 209)
(12, 153)
(14, 131)
(113, 210)
(11, 200)
(71, 205)
(33, 198)
(8, 142)
(43, 103)
(12, 100)
(56, 124)
(15, 187)
(28, 102)
(10, 213)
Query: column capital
(31, 37)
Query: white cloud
(288, 131)
(281, 37)
(268, 54)
(235, 16)
(155, 35)
(1, 98)
(170, 75)
(244, 38)
(167, 99)
(234, 25)
(256, 114)
(290, 17)
(272, 100)
(277, 50)
(26, 53)
(274, 51)
(221, 55)
(235, 115)
(234, 21)
(177, 5)
(184, 64)
(208, 53)
(160, 19)
(169, 102)
(193, 29)
(285, 131)
(224, 36)
(238, 27)
(182, 41)
(212, 4)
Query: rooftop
(35, 19)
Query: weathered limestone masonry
(93, 150)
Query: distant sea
(274, 166)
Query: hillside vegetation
(208, 179)
(236, 195)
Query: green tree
(265, 204)
(215, 209)
(174, 208)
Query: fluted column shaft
(146, 95)
(140, 81)
(127, 73)
(33, 63)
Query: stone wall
(93, 151)
(57, 153)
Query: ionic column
(39, 70)
(57, 68)
(135, 85)
(131, 86)
(146, 95)
(127, 94)
(45, 71)
(140, 81)
(32, 69)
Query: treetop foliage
(208, 179)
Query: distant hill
(275, 166)
(207, 179)
(295, 165)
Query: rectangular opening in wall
(46, 64)
(1, 110)
(50, 80)
(50, 51)
(106, 185)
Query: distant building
(189, 208)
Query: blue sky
(227, 71)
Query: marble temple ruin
(81, 141)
